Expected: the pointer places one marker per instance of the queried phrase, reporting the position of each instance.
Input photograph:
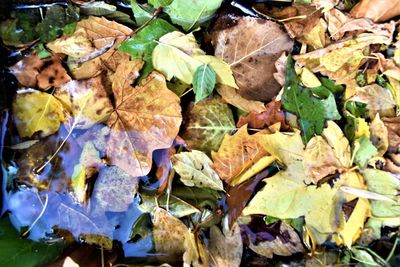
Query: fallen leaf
(137, 118)
(251, 47)
(272, 114)
(302, 23)
(200, 12)
(86, 100)
(206, 124)
(179, 55)
(40, 73)
(378, 100)
(169, 234)
(195, 252)
(376, 10)
(291, 244)
(37, 112)
(311, 111)
(204, 80)
(176, 206)
(317, 36)
(114, 190)
(280, 65)
(77, 45)
(363, 151)
(231, 95)
(226, 246)
(379, 135)
(237, 155)
(195, 169)
(393, 129)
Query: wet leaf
(178, 55)
(251, 48)
(176, 206)
(238, 155)
(138, 116)
(206, 124)
(86, 100)
(226, 246)
(37, 112)
(200, 12)
(311, 111)
(204, 80)
(15, 251)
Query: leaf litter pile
(200, 133)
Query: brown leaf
(280, 65)
(377, 10)
(251, 47)
(393, 128)
(41, 73)
(299, 27)
(146, 118)
(272, 114)
(236, 154)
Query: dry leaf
(146, 118)
(393, 128)
(206, 124)
(237, 154)
(251, 47)
(379, 135)
(308, 19)
(231, 95)
(86, 100)
(272, 114)
(377, 10)
(77, 45)
(41, 73)
(195, 254)
(280, 65)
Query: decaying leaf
(206, 124)
(251, 48)
(231, 95)
(169, 234)
(86, 100)
(393, 128)
(139, 115)
(283, 246)
(240, 156)
(40, 73)
(37, 112)
(178, 55)
(226, 246)
(77, 45)
(195, 169)
(379, 135)
(305, 19)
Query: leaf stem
(155, 14)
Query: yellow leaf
(178, 55)
(362, 128)
(237, 154)
(230, 95)
(77, 45)
(195, 254)
(35, 112)
(336, 139)
(260, 165)
(309, 79)
(379, 135)
(316, 37)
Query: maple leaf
(195, 169)
(145, 119)
(251, 47)
(36, 111)
(86, 100)
(206, 124)
(238, 154)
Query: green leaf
(204, 80)
(310, 110)
(142, 44)
(158, 3)
(364, 150)
(141, 15)
(195, 169)
(207, 123)
(190, 14)
(18, 252)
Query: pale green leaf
(203, 82)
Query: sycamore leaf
(86, 100)
(289, 246)
(41, 73)
(114, 190)
(169, 234)
(226, 247)
(251, 47)
(139, 115)
(178, 55)
(311, 111)
(207, 123)
(378, 100)
(200, 12)
(204, 80)
(230, 95)
(35, 112)
(195, 169)
(142, 44)
(237, 154)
